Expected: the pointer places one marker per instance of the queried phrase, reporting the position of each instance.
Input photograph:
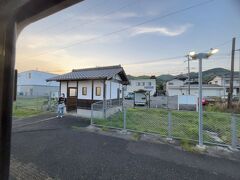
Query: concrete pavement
(57, 148)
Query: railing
(105, 109)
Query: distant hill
(165, 77)
(207, 75)
(211, 73)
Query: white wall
(133, 86)
(108, 89)
(87, 84)
(64, 88)
(72, 83)
(173, 87)
(121, 89)
(36, 78)
(98, 83)
(224, 81)
(214, 92)
(217, 80)
(114, 89)
(111, 89)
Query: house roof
(182, 77)
(106, 72)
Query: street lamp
(201, 56)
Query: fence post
(234, 131)
(91, 114)
(104, 109)
(169, 125)
(124, 118)
(49, 101)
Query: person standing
(61, 105)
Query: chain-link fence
(35, 103)
(218, 128)
(238, 130)
(167, 102)
(109, 111)
(25, 106)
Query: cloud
(161, 30)
(89, 18)
(35, 42)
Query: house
(142, 84)
(33, 83)
(83, 87)
(180, 87)
(224, 81)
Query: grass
(28, 107)
(184, 123)
(23, 113)
(136, 136)
(188, 146)
(106, 129)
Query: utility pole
(188, 74)
(230, 93)
(238, 76)
(188, 60)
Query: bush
(222, 107)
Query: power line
(129, 27)
(222, 44)
(105, 15)
(154, 61)
(220, 55)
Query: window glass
(84, 91)
(29, 75)
(72, 92)
(98, 91)
(149, 83)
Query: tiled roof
(106, 72)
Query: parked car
(235, 98)
(129, 96)
(140, 99)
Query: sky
(147, 37)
